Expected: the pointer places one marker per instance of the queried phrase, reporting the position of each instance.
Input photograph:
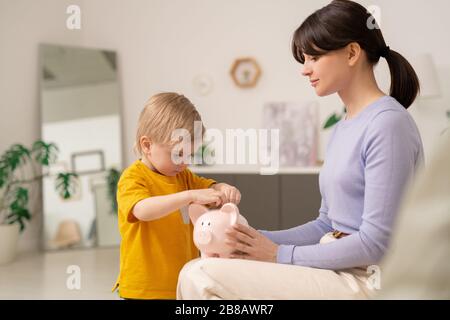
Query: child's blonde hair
(163, 113)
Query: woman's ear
(353, 53)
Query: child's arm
(157, 207)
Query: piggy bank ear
(195, 211)
(232, 210)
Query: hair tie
(385, 52)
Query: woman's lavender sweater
(369, 160)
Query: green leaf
(332, 120)
(11, 159)
(45, 153)
(21, 223)
(112, 180)
(20, 199)
(66, 184)
(19, 208)
(4, 174)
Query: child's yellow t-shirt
(152, 253)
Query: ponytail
(405, 84)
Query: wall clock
(203, 84)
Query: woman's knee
(191, 279)
(187, 267)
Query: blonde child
(156, 240)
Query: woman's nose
(306, 71)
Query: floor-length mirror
(81, 117)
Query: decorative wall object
(298, 125)
(86, 162)
(245, 72)
(203, 84)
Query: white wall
(164, 44)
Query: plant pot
(9, 237)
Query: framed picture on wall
(87, 162)
(298, 125)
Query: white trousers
(232, 279)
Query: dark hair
(342, 22)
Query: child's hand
(207, 196)
(231, 193)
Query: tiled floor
(44, 275)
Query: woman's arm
(264, 245)
(391, 158)
(306, 234)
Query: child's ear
(145, 143)
(195, 211)
(232, 210)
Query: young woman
(371, 155)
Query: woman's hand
(231, 193)
(248, 243)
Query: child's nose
(183, 165)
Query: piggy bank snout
(204, 237)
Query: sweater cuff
(263, 232)
(285, 253)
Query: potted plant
(20, 169)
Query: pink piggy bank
(210, 226)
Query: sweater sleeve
(390, 154)
(306, 234)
